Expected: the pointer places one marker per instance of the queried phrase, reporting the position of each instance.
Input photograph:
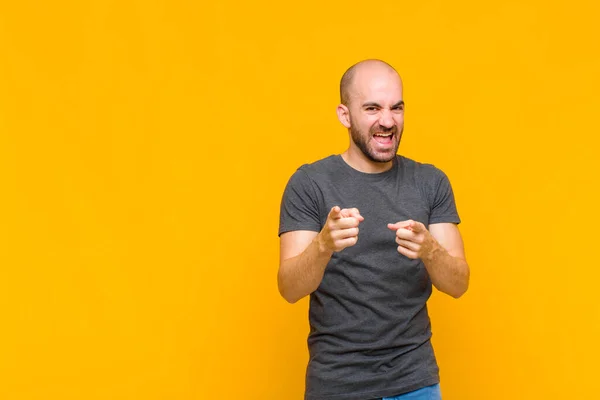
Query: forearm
(301, 275)
(448, 274)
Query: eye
(370, 108)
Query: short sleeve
(299, 205)
(443, 206)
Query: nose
(385, 119)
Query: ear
(344, 115)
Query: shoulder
(423, 172)
(317, 172)
(319, 166)
(311, 174)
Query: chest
(379, 204)
(374, 261)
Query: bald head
(362, 68)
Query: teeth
(384, 135)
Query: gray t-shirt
(369, 327)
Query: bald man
(366, 234)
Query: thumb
(417, 226)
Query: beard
(363, 142)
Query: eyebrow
(373, 104)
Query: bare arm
(305, 254)
(446, 262)
(442, 251)
(301, 265)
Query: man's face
(377, 115)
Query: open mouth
(384, 138)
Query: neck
(357, 160)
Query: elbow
(289, 299)
(462, 289)
(285, 291)
(457, 294)
(286, 295)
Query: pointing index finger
(400, 225)
(336, 212)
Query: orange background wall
(144, 147)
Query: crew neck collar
(367, 175)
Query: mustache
(382, 129)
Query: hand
(413, 238)
(340, 229)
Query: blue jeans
(427, 393)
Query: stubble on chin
(364, 144)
